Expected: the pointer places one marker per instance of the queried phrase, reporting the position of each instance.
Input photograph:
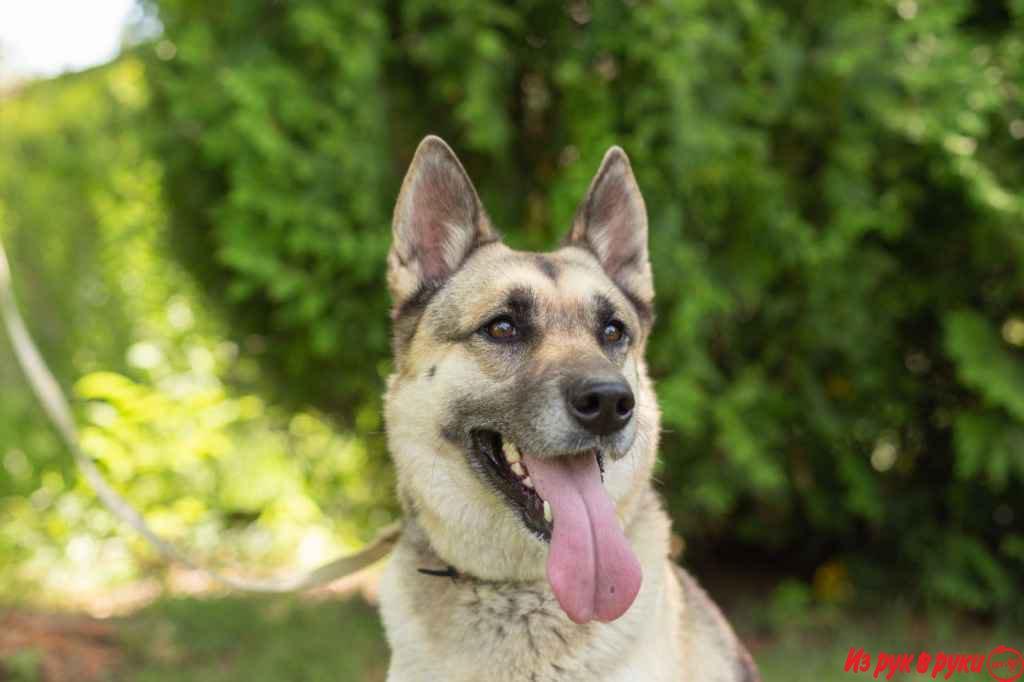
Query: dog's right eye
(501, 329)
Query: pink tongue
(591, 567)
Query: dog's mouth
(591, 567)
(508, 473)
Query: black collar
(449, 572)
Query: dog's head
(520, 416)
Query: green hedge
(835, 194)
(171, 410)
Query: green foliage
(836, 197)
(990, 437)
(836, 206)
(167, 406)
(259, 156)
(78, 200)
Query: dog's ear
(611, 222)
(438, 222)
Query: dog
(524, 429)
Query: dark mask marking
(547, 266)
(605, 309)
(643, 310)
(405, 318)
(416, 303)
(522, 302)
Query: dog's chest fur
(462, 629)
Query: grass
(255, 640)
(251, 639)
(821, 656)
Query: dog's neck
(433, 565)
(478, 535)
(430, 563)
(466, 617)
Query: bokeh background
(197, 230)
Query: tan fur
(497, 618)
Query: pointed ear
(611, 223)
(438, 222)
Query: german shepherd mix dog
(524, 428)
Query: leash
(54, 403)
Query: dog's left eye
(502, 329)
(613, 332)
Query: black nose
(601, 406)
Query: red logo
(1005, 664)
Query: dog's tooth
(547, 511)
(517, 469)
(527, 482)
(511, 452)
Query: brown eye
(501, 329)
(613, 332)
